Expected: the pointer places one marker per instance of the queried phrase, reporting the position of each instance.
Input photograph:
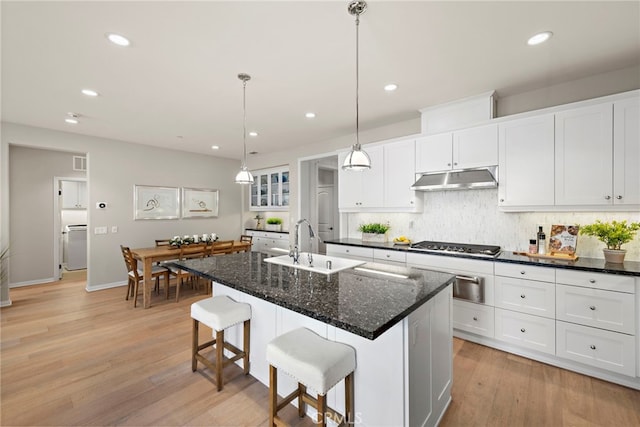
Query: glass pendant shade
(357, 159)
(244, 176)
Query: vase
(274, 227)
(373, 237)
(614, 256)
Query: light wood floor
(75, 358)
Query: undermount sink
(320, 263)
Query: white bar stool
(313, 362)
(220, 313)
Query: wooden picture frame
(152, 202)
(200, 202)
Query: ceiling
(176, 86)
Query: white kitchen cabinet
(523, 271)
(584, 156)
(626, 152)
(390, 257)
(352, 252)
(74, 194)
(468, 148)
(270, 190)
(525, 330)
(526, 162)
(478, 319)
(399, 176)
(525, 296)
(596, 347)
(270, 242)
(359, 190)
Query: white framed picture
(199, 203)
(151, 202)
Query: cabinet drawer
(384, 255)
(525, 330)
(603, 349)
(614, 311)
(526, 296)
(610, 282)
(475, 318)
(541, 274)
(269, 235)
(356, 252)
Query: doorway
(319, 197)
(70, 227)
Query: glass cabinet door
(254, 199)
(285, 188)
(264, 190)
(275, 189)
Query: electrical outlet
(114, 228)
(100, 230)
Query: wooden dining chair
(246, 238)
(196, 250)
(135, 275)
(222, 247)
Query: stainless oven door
(469, 288)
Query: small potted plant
(374, 232)
(274, 224)
(614, 234)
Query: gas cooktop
(458, 248)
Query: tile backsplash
(473, 217)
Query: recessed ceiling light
(89, 92)
(310, 115)
(391, 87)
(118, 39)
(71, 121)
(253, 133)
(215, 147)
(539, 38)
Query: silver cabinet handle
(448, 164)
(475, 318)
(607, 197)
(522, 296)
(619, 197)
(593, 347)
(388, 256)
(455, 163)
(592, 307)
(468, 279)
(523, 330)
(522, 272)
(592, 280)
(501, 200)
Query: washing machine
(75, 246)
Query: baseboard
(32, 282)
(104, 286)
(6, 303)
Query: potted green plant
(374, 232)
(614, 234)
(274, 224)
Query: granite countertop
(267, 231)
(365, 303)
(629, 268)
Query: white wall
(113, 169)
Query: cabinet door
(285, 188)
(584, 156)
(274, 189)
(82, 194)
(525, 166)
(399, 174)
(74, 194)
(475, 318)
(526, 296)
(475, 147)
(434, 152)
(263, 190)
(362, 189)
(626, 152)
(538, 333)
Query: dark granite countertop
(629, 268)
(365, 303)
(267, 231)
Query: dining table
(148, 256)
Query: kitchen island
(398, 320)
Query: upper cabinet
(626, 152)
(74, 194)
(469, 148)
(270, 190)
(584, 156)
(386, 187)
(525, 167)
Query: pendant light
(244, 176)
(357, 159)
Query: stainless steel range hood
(463, 179)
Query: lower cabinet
(608, 350)
(268, 241)
(352, 252)
(475, 318)
(525, 330)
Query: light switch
(114, 228)
(100, 230)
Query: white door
(326, 226)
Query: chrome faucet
(295, 252)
